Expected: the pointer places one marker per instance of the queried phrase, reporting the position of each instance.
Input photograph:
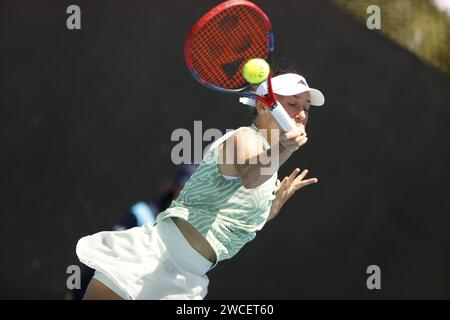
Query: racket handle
(286, 123)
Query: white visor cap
(288, 84)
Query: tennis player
(219, 210)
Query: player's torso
(195, 239)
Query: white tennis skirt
(148, 262)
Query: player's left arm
(286, 188)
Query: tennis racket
(222, 41)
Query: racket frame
(270, 101)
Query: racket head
(223, 40)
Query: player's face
(296, 106)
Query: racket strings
(226, 42)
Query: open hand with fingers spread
(287, 187)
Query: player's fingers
(292, 135)
(283, 183)
(282, 187)
(302, 175)
(305, 183)
(293, 175)
(303, 142)
(299, 140)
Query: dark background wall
(86, 118)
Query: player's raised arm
(244, 156)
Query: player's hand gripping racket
(222, 41)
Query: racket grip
(283, 119)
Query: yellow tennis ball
(256, 70)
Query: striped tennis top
(225, 213)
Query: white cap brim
(288, 84)
(317, 98)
